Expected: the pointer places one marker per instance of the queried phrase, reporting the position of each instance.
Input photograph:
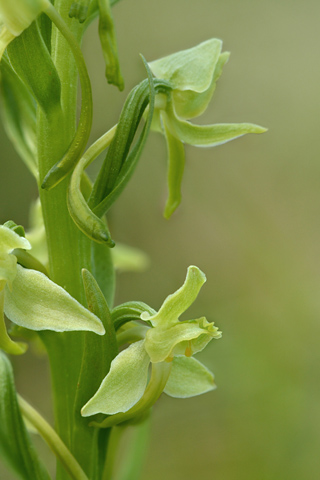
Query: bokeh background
(249, 219)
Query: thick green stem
(69, 250)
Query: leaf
(31, 60)
(15, 444)
(19, 116)
(37, 303)
(103, 271)
(188, 378)
(98, 351)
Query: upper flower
(192, 74)
(168, 344)
(31, 300)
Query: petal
(124, 385)
(6, 344)
(37, 303)
(177, 303)
(9, 240)
(176, 162)
(190, 104)
(188, 378)
(179, 339)
(190, 69)
(206, 135)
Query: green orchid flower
(16, 16)
(31, 300)
(192, 74)
(165, 343)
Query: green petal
(206, 135)
(190, 69)
(124, 385)
(190, 104)
(176, 162)
(6, 344)
(178, 302)
(188, 378)
(163, 343)
(37, 303)
(9, 240)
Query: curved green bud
(109, 44)
(82, 215)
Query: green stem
(69, 250)
(61, 169)
(53, 440)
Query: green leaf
(82, 215)
(179, 301)
(190, 69)
(15, 445)
(188, 378)
(106, 345)
(103, 270)
(206, 135)
(37, 303)
(31, 60)
(124, 385)
(176, 162)
(19, 116)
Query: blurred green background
(249, 219)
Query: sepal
(15, 444)
(188, 378)
(124, 385)
(179, 301)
